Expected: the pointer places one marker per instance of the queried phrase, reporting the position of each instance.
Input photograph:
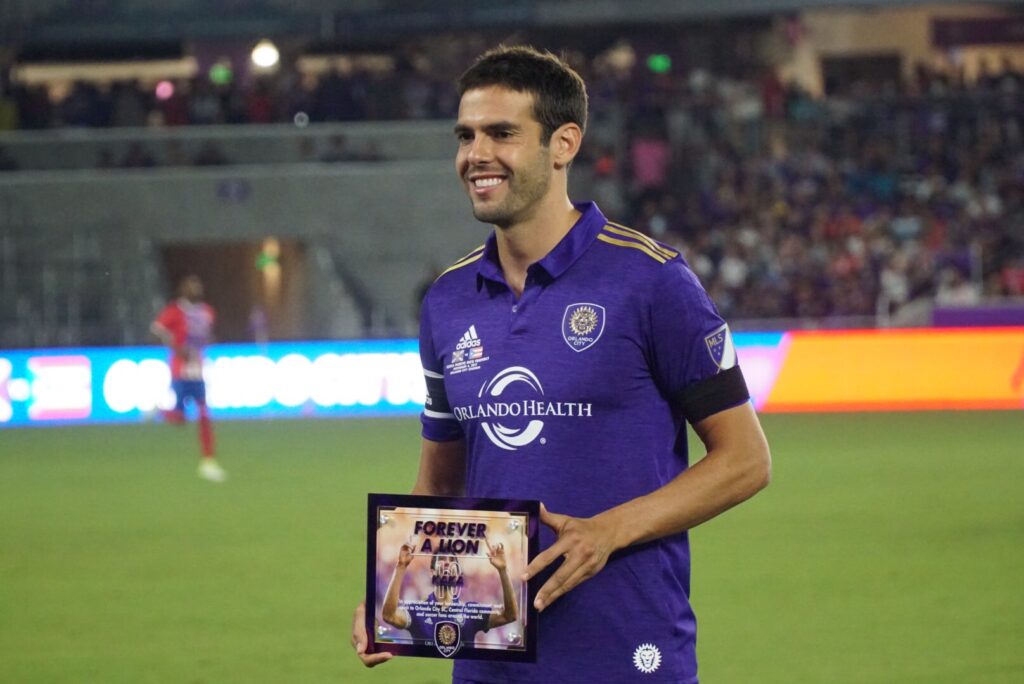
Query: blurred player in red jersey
(186, 326)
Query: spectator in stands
(129, 105)
(787, 205)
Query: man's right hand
(360, 641)
(405, 555)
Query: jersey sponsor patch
(582, 325)
(468, 353)
(509, 407)
(721, 348)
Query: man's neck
(526, 243)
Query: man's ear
(565, 144)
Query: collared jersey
(576, 394)
(191, 327)
(423, 615)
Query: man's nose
(481, 149)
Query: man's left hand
(585, 543)
(496, 554)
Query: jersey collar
(559, 259)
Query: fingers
(557, 522)
(565, 579)
(360, 641)
(545, 558)
(359, 628)
(374, 659)
(553, 520)
(584, 545)
(495, 550)
(359, 623)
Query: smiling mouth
(483, 186)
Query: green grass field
(889, 548)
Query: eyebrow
(489, 128)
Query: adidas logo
(469, 339)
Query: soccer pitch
(889, 548)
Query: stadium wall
(386, 222)
(856, 370)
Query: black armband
(711, 395)
(436, 404)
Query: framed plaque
(444, 577)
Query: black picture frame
(391, 522)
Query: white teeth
(486, 182)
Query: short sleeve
(439, 423)
(693, 355)
(168, 318)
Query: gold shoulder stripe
(637, 235)
(468, 259)
(473, 252)
(635, 245)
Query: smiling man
(563, 359)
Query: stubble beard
(525, 191)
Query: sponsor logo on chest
(510, 406)
(468, 354)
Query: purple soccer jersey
(577, 395)
(423, 615)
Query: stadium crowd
(852, 205)
(787, 206)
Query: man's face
(501, 161)
(192, 289)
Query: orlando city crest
(582, 325)
(447, 638)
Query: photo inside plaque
(446, 580)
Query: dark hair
(559, 94)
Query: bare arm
(162, 334)
(737, 466)
(390, 612)
(510, 610)
(442, 473)
(442, 469)
(167, 338)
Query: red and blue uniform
(191, 327)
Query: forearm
(162, 334)
(442, 469)
(389, 611)
(709, 488)
(508, 596)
